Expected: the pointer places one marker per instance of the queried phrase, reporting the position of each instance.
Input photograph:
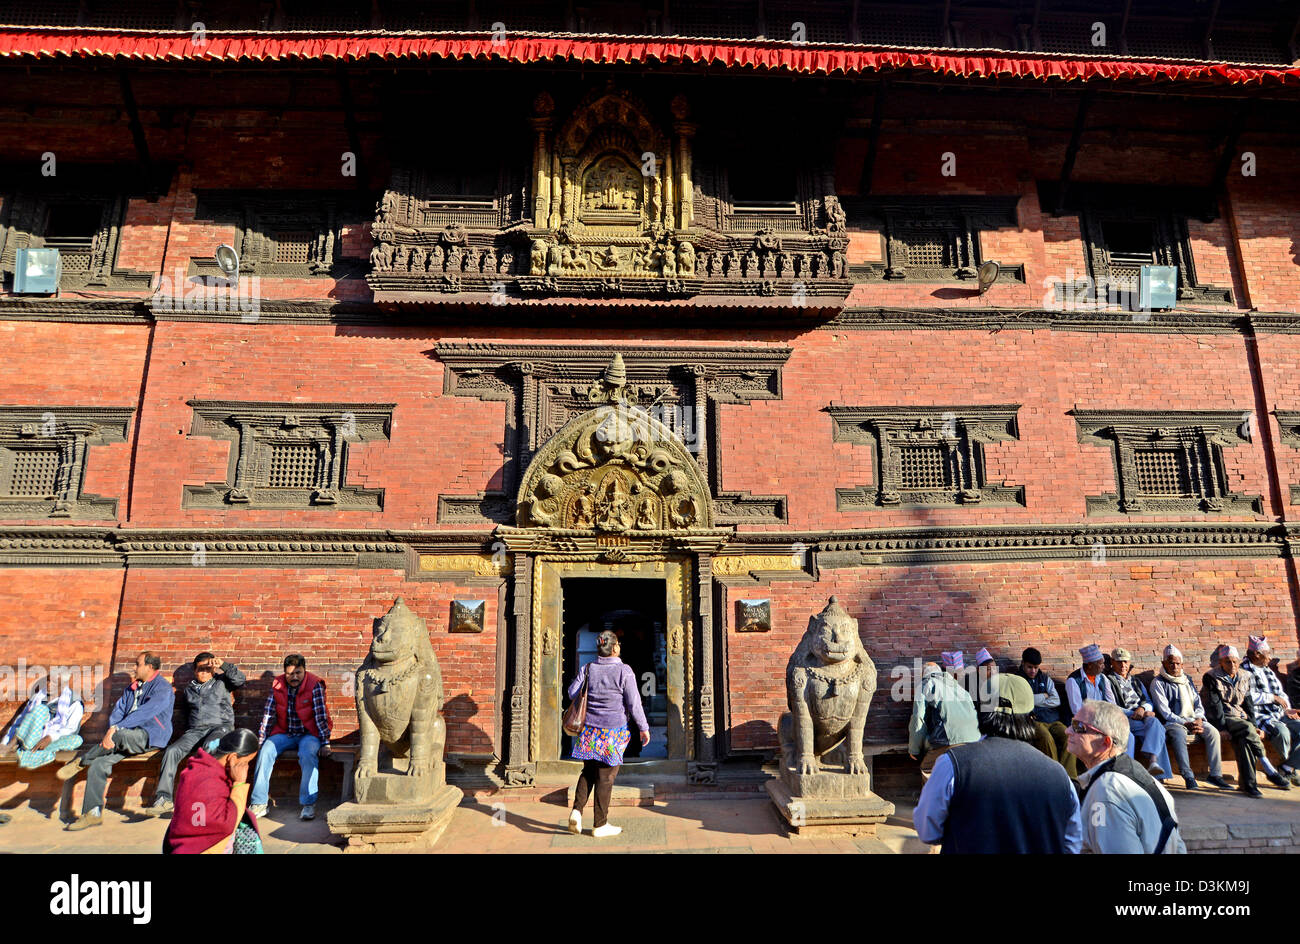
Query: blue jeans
(276, 745)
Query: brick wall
(255, 616)
(905, 614)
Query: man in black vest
(1000, 794)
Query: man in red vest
(295, 716)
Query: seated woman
(211, 802)
(41, 730)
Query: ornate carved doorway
(613, 495)
(567, 596)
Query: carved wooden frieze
(612, 214)
(545, 387)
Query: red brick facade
(245, 132)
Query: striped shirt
(1264, 684)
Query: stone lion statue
(399, 697)
(829, 682)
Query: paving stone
(1191, 833)
(636, 832)
(1260, 830)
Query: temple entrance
(648, 604)
(636, 611)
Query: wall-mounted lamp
(37, 271)
(988, 274)
(227, 261)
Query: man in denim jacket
(141, 721)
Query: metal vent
(823, 22)
(326, 16)
(293, 465)
(294, 247)
(140, 15)
(923, 467)
(35, 473)
(929, 247)
(46, 13)
(1256, 46)
(1162, 472)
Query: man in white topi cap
(1179, 707)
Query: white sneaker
(258, 809)
(1156, 770)
(308, 812)
(603, 832)
(575, 822)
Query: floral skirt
(603, 744)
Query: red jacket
(205, 814)
(303, 704)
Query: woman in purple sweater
(611, 694)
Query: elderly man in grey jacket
(1124, 809)
(1179, 708)
(209, 698)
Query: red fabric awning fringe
(821, 58)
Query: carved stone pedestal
(395, 827)
(839, 807)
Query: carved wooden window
(1167, 463)
(931, 239)
(927, 455)
(284, 234)
(1125, 228)
(288, 455)
(1288, 422)
(83, 224)
(43, 452)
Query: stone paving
(1211, 820)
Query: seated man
(1052, 735)
(1088, 681)
(211, 715)
(1273, 712)
(1230, 708)
(295, 716)
(1179, 708)
(943, 716)
(1131, 697)
(140, 721)
(41, 730)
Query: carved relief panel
(611, 212)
